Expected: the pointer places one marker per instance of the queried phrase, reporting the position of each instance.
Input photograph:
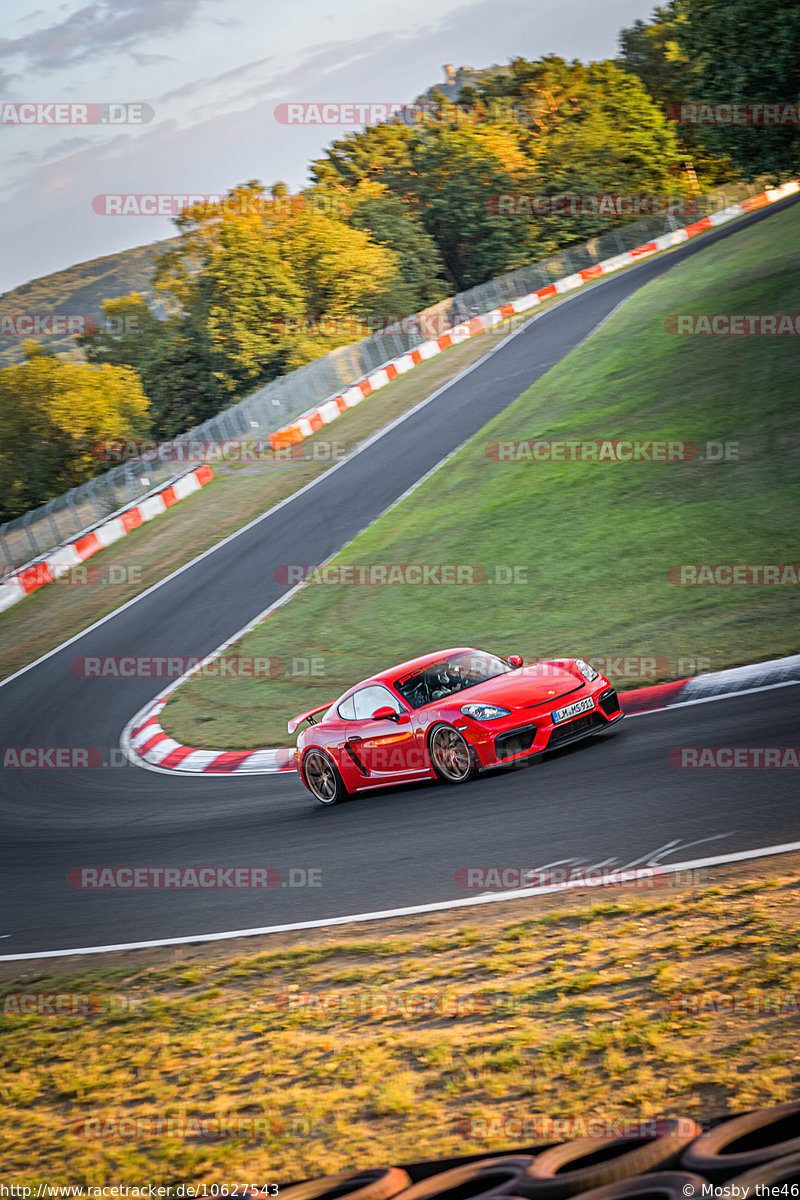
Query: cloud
(197, 85)
(95, 29)
(218, 129)
(327, 68)
(147, 60)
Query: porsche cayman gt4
(447, 716)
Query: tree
(746, 52)
(543, 127)
(338, 269)
(369, 154)
(53, 412)
(456, 175)
(617, 141)
(244, 286)
(653, 52)
(542, 94)
(172, 358)
(391, 223)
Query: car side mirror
(386, 713)
(515, 660)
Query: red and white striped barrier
(148, 744)
(324, 413)
(71, 554)
(65, 557)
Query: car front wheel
(451, 755)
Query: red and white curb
(304, 426)
(148, 742)
(148, 745)
(63, 559)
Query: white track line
(526, 321)
(392, 913)
(388, 914)
(765, 687)
(140, 716)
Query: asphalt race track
(615, 799)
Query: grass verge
(399, 1042)
(591, 543)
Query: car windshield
(442, 678)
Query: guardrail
(62, 560)
(270, 407)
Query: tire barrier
(487, 1179)
(778, 1171)
(759, 1147)
(594, 1162)
(377, 1183)
(744, 1143)
(661, 1185)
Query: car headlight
(484, 712)
(588, 672)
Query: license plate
(572, 710)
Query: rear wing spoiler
(306, 716)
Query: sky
(189, 91)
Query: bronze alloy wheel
(451, 757)
(322, 778)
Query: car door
(386, 747)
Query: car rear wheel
(322, 778)
(451, 756)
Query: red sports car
(447, 716)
